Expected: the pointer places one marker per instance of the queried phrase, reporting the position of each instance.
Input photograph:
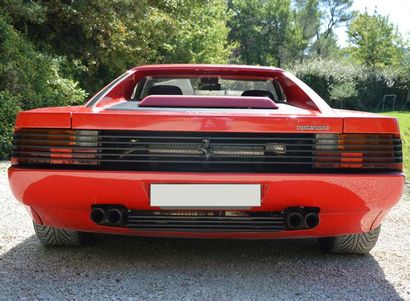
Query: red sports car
(207, 151)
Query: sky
(398, 11)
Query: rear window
(207, 86)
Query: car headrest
(164, 90)
(259, 93)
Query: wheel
(55, 237)
(350, 244)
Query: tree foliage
(32, 76)
(8, 110)
(279, 32)
(375, 41)
(29, 79)
(106, 37)
(265, 31)
(333, 14)
(308, 18)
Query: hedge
(350, 86)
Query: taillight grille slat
(81, 155)
(261, 152)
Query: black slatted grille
(208, 151)
(198, 151)
(206, 221)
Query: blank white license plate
(205, 195)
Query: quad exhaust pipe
(115, 216)
(296, 218)
(311, 220)
(301, 218)
(97, 215)
(108, 216)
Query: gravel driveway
(130, 268)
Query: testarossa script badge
(312, 127)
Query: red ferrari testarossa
(207, 151)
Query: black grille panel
(206, 221)
(207, 151)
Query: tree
(196, 31)
(264, 31)
(333, 14)
(32, 76)
(308, 20)
(326, 47)
(102, 38)
(375, 41)
(280, 32)
(28, 79)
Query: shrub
(9, 107)
(352, 86)
(29, 79)
(33, 76)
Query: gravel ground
(130, 268)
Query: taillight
(55, 146)
(377, 151)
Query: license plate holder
(205, 196)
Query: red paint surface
(192, 120)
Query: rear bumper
(349, 203)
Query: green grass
(404, 121)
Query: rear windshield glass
(207, 86)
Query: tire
(54, 237)
(350, 244)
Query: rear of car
(208, 152)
